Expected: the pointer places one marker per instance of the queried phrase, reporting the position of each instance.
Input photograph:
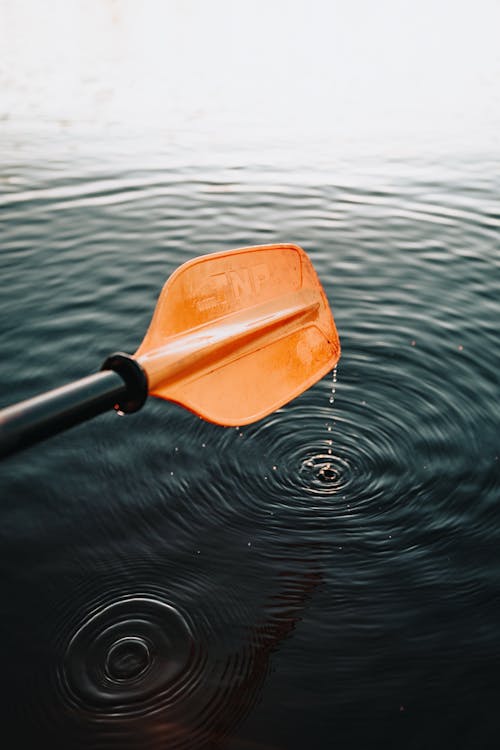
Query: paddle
(234, 336)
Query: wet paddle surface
(328, 576)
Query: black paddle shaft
(121, 385)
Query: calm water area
(328, 577)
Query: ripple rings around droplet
(361, 461)
(158, 667)
(128, 652)
(324, 473)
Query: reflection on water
(329, 576)
(121, 670)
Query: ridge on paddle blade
(237, 334)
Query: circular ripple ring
(128, 652)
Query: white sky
(392, 72)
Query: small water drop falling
(334, 385)
(329, 425)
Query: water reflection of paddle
(200, 696)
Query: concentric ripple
(324, 473)
(157, 654)
(128, 652)
(369, 459)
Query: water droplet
(328, 474)
(332, 394)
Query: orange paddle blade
(235, 335)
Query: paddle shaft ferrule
(38, 418)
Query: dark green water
(167, 583)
